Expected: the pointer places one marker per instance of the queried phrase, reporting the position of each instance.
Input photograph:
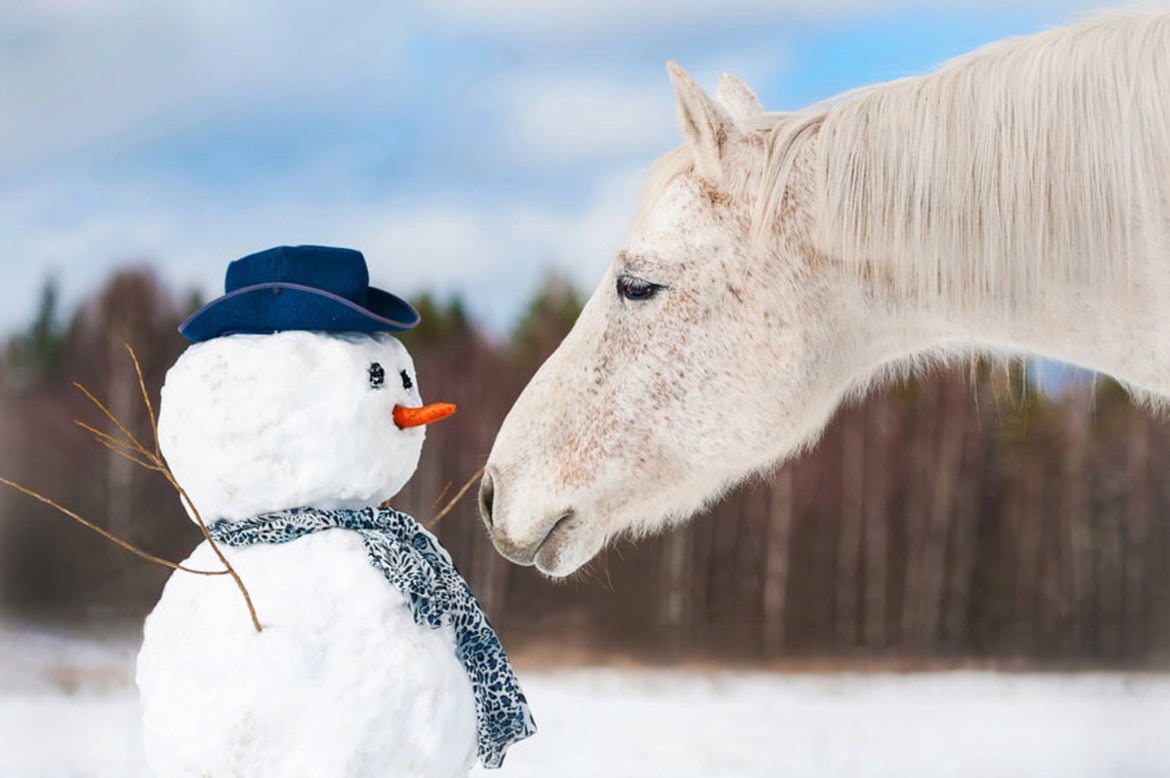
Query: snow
(67, 708)
(935, 725)
(340, 676)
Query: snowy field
(68, 708)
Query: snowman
(288, 421)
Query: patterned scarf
(414, 562)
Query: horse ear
(737, 97)
(707, 126)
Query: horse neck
(1114, 328)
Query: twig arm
(458, 496)
(107, 534)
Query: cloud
(600, 18)
(496, 253)
(80, 76)
(567, 118)
(493, 251)
(597, 17)
(612, 115)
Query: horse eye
(377, 375)
(633, 288)
(406, 382)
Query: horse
(1015, 201)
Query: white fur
(1017, 200)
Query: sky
(467, 148)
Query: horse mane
(1023, 164)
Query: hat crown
(337, 270)
(312, 288)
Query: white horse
(1016, 200)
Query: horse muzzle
(546, 542)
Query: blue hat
(299, 288)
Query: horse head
(706, 354)
(779, 261)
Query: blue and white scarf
(414, 562)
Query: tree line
(965, 515)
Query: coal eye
(633, 288)
(406, 382)
(377, 375)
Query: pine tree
(35, 356)
(547, 320)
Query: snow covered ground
(68, 708)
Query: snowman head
(251, 424)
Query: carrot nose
(413, 417)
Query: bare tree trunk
(1136, 533)
(947, 466)
(777, 544)
(703, 557)
(877, 531)
(677, 571)
(722, 577)
(122, 391)
(917, 516)
(1074, 513)
(749, 560)
(1028, 523)
(964, 539)
(852, 518)
(1109, 577)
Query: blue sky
(465, 147)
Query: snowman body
(341, 681)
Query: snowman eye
(377, 375)
(406, 382)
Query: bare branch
(109, 415)
(145, 398)
(113, 443)
(128, 455)
(435, 505)
(458, 496)
(108, 535)
(214, 546)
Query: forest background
(982, 513)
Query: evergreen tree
(36, 354)
(439, 322)
(547, 320)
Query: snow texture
(670, 724)
(253, 424)
(340, 682)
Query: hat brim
(277, 307)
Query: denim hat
(299, 288)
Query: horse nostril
(486, 493)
